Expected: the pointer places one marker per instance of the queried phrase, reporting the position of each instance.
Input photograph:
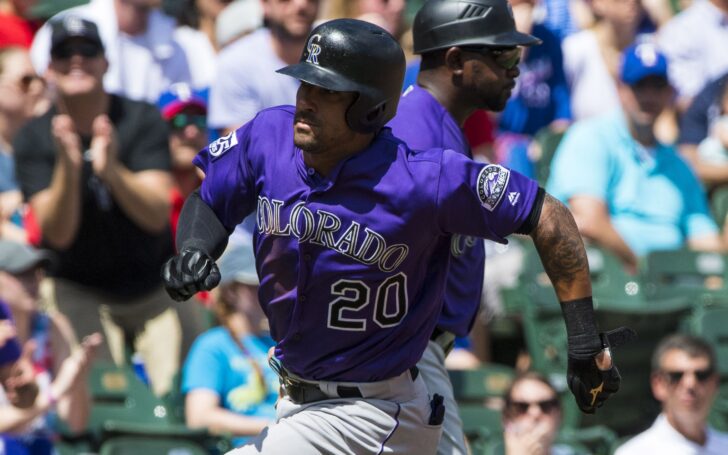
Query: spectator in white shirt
(145, 54)
(247, 81)
(695, 44)
(685, 380)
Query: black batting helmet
(441, 24)
(349, 55)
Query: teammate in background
(246, 80)
(95, 171)
(467, 64)
(685, 380)
(353, 246)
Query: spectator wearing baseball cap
(185, 111)
(51, 360)
(642, 61)
(228, 383)
(70, 29)
(114, 198)
(630, 193)
(145, 52)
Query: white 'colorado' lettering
(326, 229)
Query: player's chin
(305, 141)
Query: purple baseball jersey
(423, 123)
(352, 265)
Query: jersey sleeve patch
(223, 144)
(491, 185)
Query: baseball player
(353, 245)
(468, 63)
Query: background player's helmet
(349, 55)
(441, 24)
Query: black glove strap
(200, 228)
(581, 328)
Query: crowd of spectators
(104, 105)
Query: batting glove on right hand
(188, 273)
(591, 385)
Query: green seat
(711, 323)
(480, 384)
(130, 445)
(44, 9)
(547, 142)
(478, 393)
(698, 276)
(719, 205)
(119, 397)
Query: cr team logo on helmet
(349, 55)
(313, 49)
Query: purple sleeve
(484, 200)
(228, 187)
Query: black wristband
(581, 328)
(200, 228)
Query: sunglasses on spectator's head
(82, 48)
(521, 407)
(674, 377)
(180, 121)
(505, 57)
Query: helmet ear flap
(363, 120)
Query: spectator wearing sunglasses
(185, 111)
(531, 416)
(685, 380)
(630, 193)
(96, 172)
(145, 52)
(20, 93)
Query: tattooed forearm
(562, 252)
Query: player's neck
(324, 161)
(443, 92)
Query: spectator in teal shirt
(228, 384)
(629, 193)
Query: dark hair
(433, 59)
(526, 376)
(691, 345)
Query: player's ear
(454, 60)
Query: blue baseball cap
(179, 97)
(642, 60)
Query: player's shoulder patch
(491, 185)
(223, 144)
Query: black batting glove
(188, 273)
(590, 385)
